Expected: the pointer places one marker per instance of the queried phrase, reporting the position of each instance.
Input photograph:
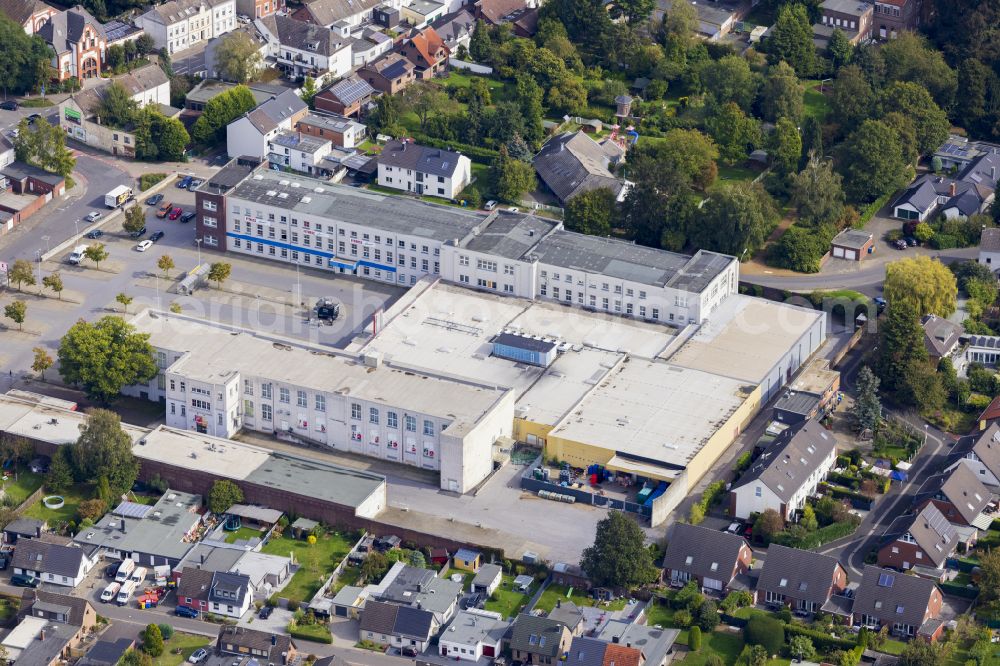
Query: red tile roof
(992, 411)
(428, 43)
(620, 655)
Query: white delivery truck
(76, 256)
(117, 197)
(125, 593)
(125, 570)
(138, 575)
(110, 592)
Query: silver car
(198, 656)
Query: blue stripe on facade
(369, 264)
(341, 264)
(286, 246)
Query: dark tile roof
(65, 29)
(568, 613)
(195, 583)
(35, 555)
(961, 488)
(106, 653)
(435, 161)
(254, 640)
(987, 449)
(21, 170)
(893, 597)
(20, 11)
(584, 651)
(328, 12)
(303, 36)
(455, 26)
(379, 617)
(413, 623)
(537, 635)
(806, 575)
(989, 241)
(77, 605)
(703, 552)
(572, 163)
(790, 459)
(940, 335)
(25, 527)
(228, 588)
(935, 536)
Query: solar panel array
(132, 510)
(351, 90)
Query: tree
(801, 647)
(170, 135)
(686, 151)
(426, 100)
(633, 11)
(237, 57)
(224, 494)
(734, 132)
(512, 178)
(924, 282)
(152, 640)
(784, 145)
(909, 57)
(679, 25)
(869, 489)
(839, 48)
(104, 357)
(60, 476)
(135, 658)
(103, 491)
(529, 98)
(768, 523)
(135, 219)
(219, 111)
(707, 615)
(25, 58)
(374, 566)
(812, 139)
(808, 519)
(145, 45)
(852, 100)
(309, 90)
(166, 264)
(901, 345)
(480, 44)
(872, 161)
(97, 253)
(417, 560)
(42, 361)
(44, 145)
(591, 212)
(735, 219)
(802, 248)
(925, 653)
(694, 635)
(817, 193)
(618, 557)
(989, 575)
(54, 282)
(729, 79)
(792, 40)
(867, 409)
(116, 107)
(104, 450)
(219, 272)
(782, 94)
(766, 631)
(16, 311)
(124, 299)
(92, 509)
(20, 272)
(384, 118)
(930, 123)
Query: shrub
(821, 641)
(765, 631)
(694, 639)
(736, 599)
(682, 618)
(166, 630)
(147, 180)
(707, 615)
(293, 605)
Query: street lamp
(198, 243)
(46, 239)
(76, 223)
(926, 426)
(38, 254)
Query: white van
(77, 255)
(110, 592)
(125, 593)
(125, 570)
(138, 575)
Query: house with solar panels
(346, 97)
(969, 193)
(921, 543)
(909, 605)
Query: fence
(322, 591)
(32, 498)
(581, 496)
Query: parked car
(144, 245)
(175, 213)
(409, 651)
(95, 234)
(155, 199)
(490, 205)
(138, 234)
(880, 303)
(188, 216)
(94, 216)
(111, 570)
(184, 182)
(110, 592)
(265, 612)
(198, 656)
(157, 235)
(8, 105)
(900, 244)
(164, 209)
(33, 117)
(23, 580)
(195, 184)
(184, 611)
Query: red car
(175, 213)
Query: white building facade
(181, 24)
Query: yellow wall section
(723, 438)
(524, 427)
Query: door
(838, 252)
(488, 651)
(340, 611)
(851, 255)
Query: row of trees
(210, 128)
(156, 136)
(26, 59)
(44, 145)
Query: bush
(474, 153)
(707, 615)
(166, 630)
(822, 641)
(694, 639)
(736, 599)
(147, 180)
(682, 618)
(293, 605)
(765, 631)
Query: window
(320, 403)
(283, 395)
(485, 265)
(210, 205)
(373, 415)
(509, 270)
(758, 492)
(391, 419)
(248, 387)
(428, 428)
(265, 391)
(209, 221)
(300, 399)
(411, 423)
(355, 411)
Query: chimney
(952, 188)
(274, 639)
(614, 639)
(41, 634)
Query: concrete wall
(467, 456)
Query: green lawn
(554, 593)
(509, 601)
(892, 647)
(8, 608)
(463, 79)
(723, 643)
(55, 517)
(26, 483)
(186, 643)
(316, 562)
(816, 103)
(244, 533)
(731, 173)
(349, 576)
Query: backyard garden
(316, 560)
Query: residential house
(989, 248)
(959, 495)
(958, 152)
(570, 575)
(266, 572)
(52, 563)
(78, 42)
(983, 456)
(248, 136)
(180, 24)
(120, 33)
(265, 646)
(420, 589)
(892, 17)
(23, 528)
(51, 628)
(28, 190)
(971, 192)
(487, 579)
(941, 336)
(456, 29)
(852, 244)
(467, 559)
(299, 152)
(786, 473)
(346, 97)
(794, 407)
(472, 635)
(398, 626)
(146, 85)
(256, 9)
(715, 20)
(711, 558)
(853, 17)
(303, 49)
(409, 167)
(328, 12)
(369, 46)
(656, 644)
(908, 605)
(389, 74)
(800, 579)
(421, 13)
(522, 15)
(192, 588)
(572, 162)
(925, 541)
(339, 130)
(230, 594)
(213, 70)
(427, 51)
(30, 14)
(7, 154)
(538, 640)
(586, 651)
(56, 607)
(990, 415)
(107, 652)
(569, 614)
(208, 90)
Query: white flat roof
(47, 423)
(26, 631)
(745, 338)
(654, 410)
(192, 450)
(564, 384)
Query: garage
(851, 255)
(838, 252)
(852, 245)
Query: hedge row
(845, 493)
(306, 635)
(821, 641)
(474, 153)
(816, 539)
(959, 590)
